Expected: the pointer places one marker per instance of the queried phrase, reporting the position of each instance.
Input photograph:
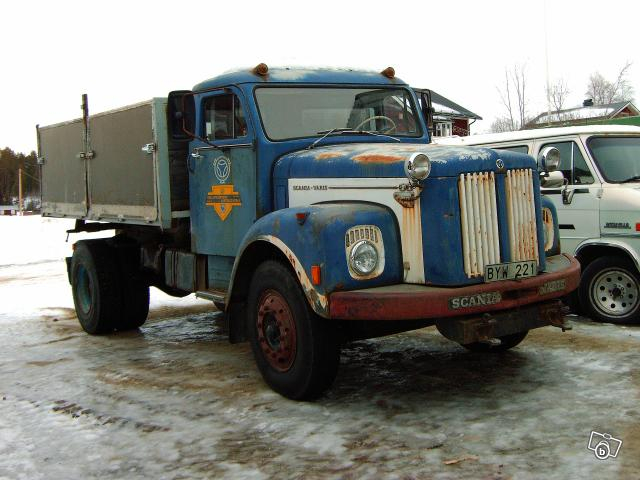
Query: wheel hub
(276, 330)
(615, 293)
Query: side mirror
(552, 179)
(548, 159)
(181, 112)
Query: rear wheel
(135, 290)
(610, 290)
(296, 351)
(506, 342)
(94, 283)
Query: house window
(444, 129)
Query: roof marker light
(261, 69)
(389, 72)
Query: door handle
(567, 195)
(196, 155)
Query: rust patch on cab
(376, 158)
(326, 155)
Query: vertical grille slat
(479, 221)
(523, 238)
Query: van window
(515, 148)
(618, 158)
(224, 118)
(570, 154)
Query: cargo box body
(120, 170)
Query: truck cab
(318, 213)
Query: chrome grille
(479, 219)
(521, 211)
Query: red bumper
(409, 301)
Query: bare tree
(502, 124)
(557, 94)
(602, 91)
(516, 107)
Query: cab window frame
(237, 122)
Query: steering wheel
(378, 117)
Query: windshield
(288, 112)
(618, 158)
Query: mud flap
(493, 325)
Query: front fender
(628, 245)
(554, 249)
(318, 238)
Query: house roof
(608, 110)
(444, 107)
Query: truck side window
(224, 118)
(570, 155)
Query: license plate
(510, 271)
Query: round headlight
(418, 166)
(549, 159)
(364, 257)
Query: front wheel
(506, 342)
(296, 351)
(610, 290)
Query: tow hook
(560, 321)
(485, 329)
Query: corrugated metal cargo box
(120, 170)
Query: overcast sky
(122, 52)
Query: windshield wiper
(635, 178)
(340, 131)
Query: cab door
(579, 209)
(222, 181)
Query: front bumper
(412, 302)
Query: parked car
(598, 208)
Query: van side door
(578, 209)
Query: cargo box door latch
(149, 148)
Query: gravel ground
(175, 400)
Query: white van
(598, 208)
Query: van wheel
(94, 283)
(296, 351)
(610, 290)
(506, 342)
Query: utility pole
(20, 190)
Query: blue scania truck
(311, 208)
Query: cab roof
(297, 75)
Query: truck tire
(95, 286)
(296, 351)
(135, 304)
(135, 290)
(610, 290)
(506, 342)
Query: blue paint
(261, 174)
(367, 160)
(267, 152)
(320, 240)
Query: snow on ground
(175, 400)
(35, 247)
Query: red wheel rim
(276, 330)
